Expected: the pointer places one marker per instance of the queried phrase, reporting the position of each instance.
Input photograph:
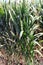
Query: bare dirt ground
(17, 60)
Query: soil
(5, 59)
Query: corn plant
(20, 26)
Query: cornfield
(21, 29)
